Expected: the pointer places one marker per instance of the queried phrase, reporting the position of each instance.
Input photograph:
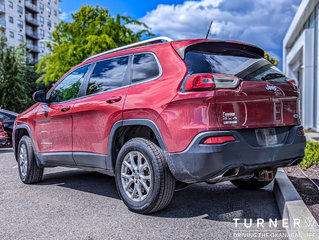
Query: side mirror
(40, 96)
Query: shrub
(311, 155)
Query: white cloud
(64, 16)
(262, 22)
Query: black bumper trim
(199, 162)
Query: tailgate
(262, 96)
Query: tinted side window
(69, 87)
(144, 67)
(107, 75)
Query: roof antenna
(210, 26)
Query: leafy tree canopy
(273, 60)
(93, 30)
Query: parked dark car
(3, 135)
(8, 118)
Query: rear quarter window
(145, 67)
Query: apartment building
(30, 21)
(301, 57)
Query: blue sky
(260, 22)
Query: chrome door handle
(114, 99)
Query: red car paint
(178, 115)
(3, 134)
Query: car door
(94, 115)
(53, 120)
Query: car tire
(252, 183)
(29, 171)
(143, 179)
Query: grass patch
(311, 155)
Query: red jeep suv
(161, 114)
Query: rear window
(246, 68)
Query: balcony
(31, 20)
(31, 7)
(2, 8)
(33, 48)
(32, 34)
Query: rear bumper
(201, 162)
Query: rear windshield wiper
(270, 76)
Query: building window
(42, 45)
(41, 7)
(20, 23)
(11, 34)
(20, 9)
(49, 10)
(49, 35)
(20, 38)
(42, 33)
(49, 23)
(41, 20)
(11, 19)
(10, 4)
(55, 13)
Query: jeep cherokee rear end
(237, 114)
(192, 111)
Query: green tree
(93, 30)
(17, 77)
(273, 60)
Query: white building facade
(30, 21)
(301, 57)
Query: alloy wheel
(136, 176)
(23, 160)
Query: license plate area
(266, 136)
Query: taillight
(225, 81)
(201, 82)
(293, 84)
(219, 140)
(301, 132)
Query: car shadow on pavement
(91, 182)
(6, 150)
(219, 202)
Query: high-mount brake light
(293, 84)
(201, 82)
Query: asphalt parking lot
(75, 204)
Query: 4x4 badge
(271, 88)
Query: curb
(293, 210)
